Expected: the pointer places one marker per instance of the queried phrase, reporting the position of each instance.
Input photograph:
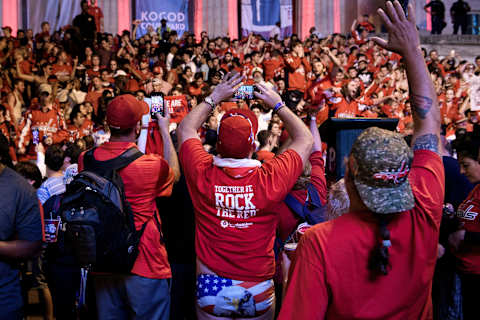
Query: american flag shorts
(232, 298)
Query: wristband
(278, 106)
(210, 102)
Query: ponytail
(379, 257)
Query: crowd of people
(235, 209)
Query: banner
(261, 16)
(177, 106)
(475, 94)
(151, 12)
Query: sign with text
(151, 13)
(475, 94)
(177, 107)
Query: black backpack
(97, 220)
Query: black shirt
(437, 8)
(459, 9)
(86, 24)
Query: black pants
(460, 23)
(183, 291)
(437, 24)
(470, 287)
(64, 283)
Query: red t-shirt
(297, 71)
(144, 179)
(468, 212)
(330, 278)
(235, 231)
(287, 220)
(97, 14)
(264, 155)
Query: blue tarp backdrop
(151, 12)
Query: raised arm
(23, 76)
(194, 120)
(403, 39)
(169, 152)
(317, 141)
(302, 140)
(74, 69)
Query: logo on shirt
(234, 202)
(468, 213)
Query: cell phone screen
(244, 93)
(158, 105)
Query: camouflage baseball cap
(382, 163)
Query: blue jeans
(132, 297)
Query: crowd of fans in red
(59, 86)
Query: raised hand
(268, 95)
(402, 31)
(226, 89)
(163, 121)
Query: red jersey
(450, 111)
(330, 278)
(468, 256)
(273, 67)
(349, 109)
(97, 15)
(92, 97)
(235, 231)
(50, 123)
(144, 179)
(297, 71)
(264, 155)
(61, 71)
(75, 133)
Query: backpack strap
(313, 197)
(295, 205)
(105, 168)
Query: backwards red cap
(125, 111)
(236, 133)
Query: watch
(210, 102)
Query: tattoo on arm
(427, 141)
(421, 105)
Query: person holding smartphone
(231, 193)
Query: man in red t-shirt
(377, 261)
(231, 194)
(145, 293)
(97, 15)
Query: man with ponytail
(377, 261)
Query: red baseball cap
(236, 133)
(125, 111)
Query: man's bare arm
(404, 39)
(194, 120)
(302, 139)
(169, 152)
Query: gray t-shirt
(19, 220)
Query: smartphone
(244, 93)
(36, 137)
(158, 105)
